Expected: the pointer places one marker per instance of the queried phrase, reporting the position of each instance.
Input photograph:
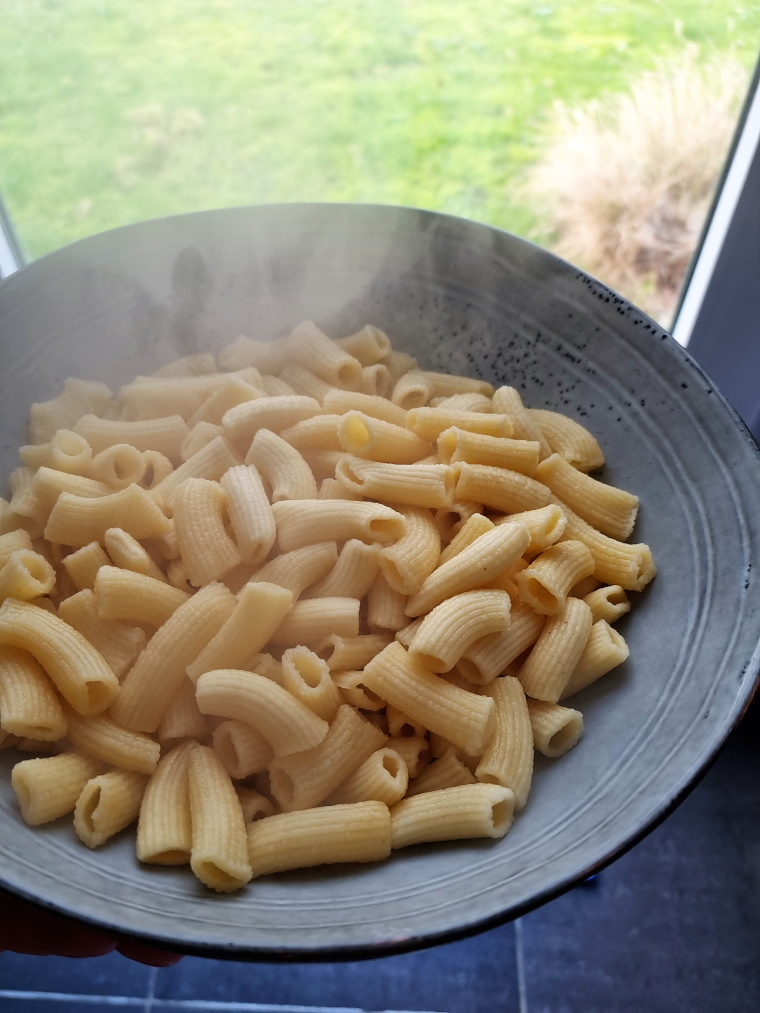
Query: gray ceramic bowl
(469, 299)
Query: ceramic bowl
(470, 299)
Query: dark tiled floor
(673, 925)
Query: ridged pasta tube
(83, 565)
(272, 413)
(555, 729)
(117, 642)
(551, 662)
(287, 724)
(446, 772)
(464, 718)
(311, 619)
(429, 423)
(456, 444)
(307, 521)
(422, 485)
(100, 736)
(508, 757)
(605, 649)
(609, 602)
(483, 559)
(77, 520)
(282, 466)
(369, 345)
(79, 672)
(339, 402)
(383, 777)
(353, 574)
(164, 833)
(307, 677)
(499, 488)
(182, 719)
(128, 554)
(357, 832)
(133, 597)
(250, 513)
(210, 462)
(300, 568)
(304, 779)
(66, 451)
(118, 466)
(29, 705)
(465, 811)
(508, 400)
(108, 803)
(409, 561)
(207, 550)
(377, 440)
(569, 439)
(606, 508)
(452, 627)
(48, 787)
(219, 853)
(26, 575)
(312, 348)
(546, 582)
(164, 435)
(77, 398)
(242, 749)
(489, 657)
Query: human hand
(26, 928)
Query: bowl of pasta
(367, 577)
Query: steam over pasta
(303, 605)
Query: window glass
(112, 111)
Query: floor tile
(472, 976)
(35, 1005)
(675, 923)
(108, 975)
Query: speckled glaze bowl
(470, 299)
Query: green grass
(113, 111)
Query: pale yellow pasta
(300, 568)
(48, 484)
(182, 719)
(79, 672)
(11, 542)
(231, 391)
(283, 467)
(608, 602)
(475, 565)
(272, 413)
(267, 665)
(411, 390)
(375, 380)
(331, 488)
(157, 468)
(304, 779)
(323, 464)
(405, 635)
(117, 642)
(155, 677)
(219, 850)
(498, 488)
(210, 462)
(551, 662)
(546, 525)
(383, 777)
(475, 526)
(164, 833)
(446, 772)
(429, 423)
(399, 363)
(369, 345)
(400, 724)
(629, 565)
(253, 803)
(307, 677)
(386, 607)
(26, 575)
(585, 586)
(24, 501)
(605, 649)
(108, 803)
(66, 451)
(353, 574)
(199, 437)
(149, 397)
(569, 439)
(307, 521)
(77, 398)
(465, 402)
(250, 513)
(207, 550)
(508, 757)
(555, 729)
(133, 597)
(77, 520)
(452, 627)
(83, 564)
(610, 510)
(413, 750)
(242, 749)
(377, 440)
(410, 560)
(339, 402)
(317, 433)
(490, 657)
(310, 620)
(423, 485)
(342, 653)
(546, 582)
(357, 832)
(458, 813)
(303, 381)
(464, 718)
(48, 787)
(508, 400)
(258, 612)
(287, 724)
(450, 520)
(275, 387)
(353, 691)
(100, 736)
(177, 576)
(128, 554)
(29, 706)
(165, 434)
(311, 347)
(118, 466)
(496, 451)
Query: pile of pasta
(303, 604)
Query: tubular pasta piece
(67, 451)
(133, 597)
(77, 398)
(465, 811)
(100, 736)
(497, 451)
(546, 582)
(118, 466)
(76, 520)
(128, 554)
(569, 439)
(118, 643)
(210, 462)
(83, 565)
(182, 719)
(108, 803)
(377, 440)
(272, 413)
(339, 402)
(26, 575)
(456, 624)
(547, 669)
(164, 835)
(314, 350)
(498, 488)
(609, 602)
(605, 649)
(429, 423)
(410, 560)
(282, 466)
(422, 485)
(508, 757)
(383, 777)
(353, 574)
(303, 381)
(307, 677)
(555, 729)
(447, 772)
(606, 508)
(307, 521)
(369, 345)
(300, 568)
(29, 706)
(48, 787)
(489, 657)
(219, 852)
(250, 513)
(311, 619)
(242, 749)
(385, 606)
(207, 550)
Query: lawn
(117, 110)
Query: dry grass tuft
(626, 182)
